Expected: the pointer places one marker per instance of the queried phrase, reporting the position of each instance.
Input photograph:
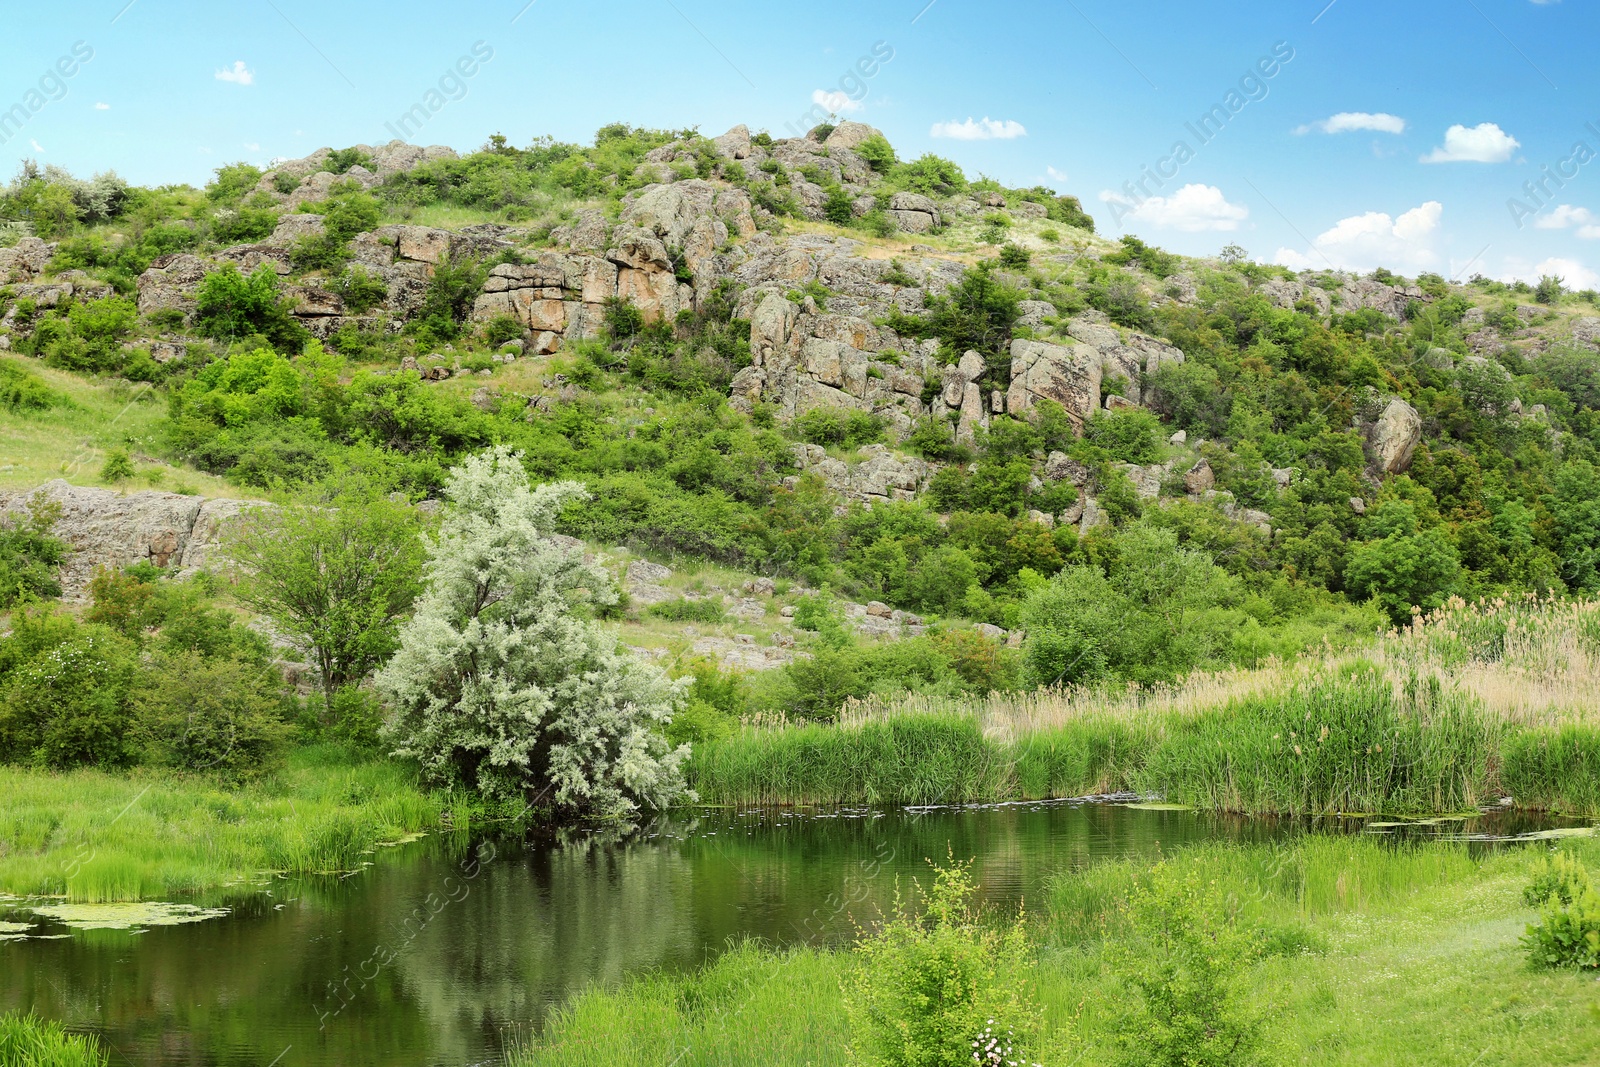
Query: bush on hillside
(232, 305)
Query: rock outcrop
(104, 528)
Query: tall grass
(916, 759)
(1469, 703)
(27, 1041)
(97, 836)
(752, 1006)
(1272, 884)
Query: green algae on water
(126, 916)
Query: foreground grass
(99, 836)
(1381, 955)
(26, 1041)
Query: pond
(444, 949)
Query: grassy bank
(26, 1041)
(101, 836)
(1472, 704)
(1376, 955)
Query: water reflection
(430, 956)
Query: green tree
(338, 580)
(503, 684)
(1403, 567)
(1158, 612)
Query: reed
(99, 836)
(28, 1041)
(1471, 702)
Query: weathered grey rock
(291, 228)
(1200, 477)
(1060, 467)
(1395, 436)
(914, 212)
(107, 529)
(171, 283)
(1585, 330)
(26, 258)
(735, 144)
(1358, 505)
(851, 135)
(1068, 375)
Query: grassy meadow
(1375, 954)
(97, 836)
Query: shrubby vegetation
(501, 684)
(154, 673)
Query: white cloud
(1567, 217)
(1353, 121)
(251, 146)
(1571, 272)
(37, 147)
(984, 129)
(1055, 175)
(836, 102)
(239, 74)
(1483, 143)
(1192, 209)
(1362, 242)
(102, 107)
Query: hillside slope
(807, 359)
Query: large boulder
(171, 283)
(1067, 374)
(913, 212)
(1394, 437)
(735, 144)
(851, 135)
(23, 260)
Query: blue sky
(1386, 133)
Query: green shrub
(117, 467)
(1187, 964)
(63, 692)
(360, 290)
(682, 610)
(1131, 436)
(1559, 876)
(502, 328)
(1568, 931)
(208, 714)
(878, 153)
(29, 555)
(836, 426)
(943, 986)
(1014, 257)
(23, 391)
(232, 305)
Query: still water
(444, 948)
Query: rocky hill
(1001, 363)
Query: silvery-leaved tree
(504, 683)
